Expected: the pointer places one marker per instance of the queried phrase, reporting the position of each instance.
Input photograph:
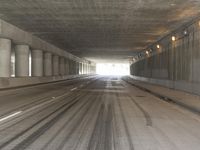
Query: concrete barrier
(6, 83)
(190, 87)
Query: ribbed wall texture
(178, 62)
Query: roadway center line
(73, 89)
(10, 116)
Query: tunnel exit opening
(113, 69)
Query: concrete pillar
(62, 66)
(83, 65)
(69, 62)
(37, 63)
(80, 68)
(55, 65)
(86, 68)
(73, 67)
(47, 64)
(77, 67)
(83, 68)
(5, 57)
(66, 66)
(89, 69)
(21, 60)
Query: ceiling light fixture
(185, 32)
(173, 38)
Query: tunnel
(99, 74)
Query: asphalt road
(95, 113)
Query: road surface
(94, 113)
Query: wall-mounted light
(147, 52)
(173, 38)
(158, 46)
(185, 32)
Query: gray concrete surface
(37, 63)
(21, 43)
(184, 99)
(22, 60)
(55, 65)
(110, 30)
(176, 63)
(99, 113)
(61, 66)
(48, 67)
(5, 50)
(189, 87)
(18, 82)
(19, 36)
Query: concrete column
(86, 68)
(21, 60)
(55, 65)
(67, 67)
(47, 64)
(80, 68)
(62, 66)
(5, 57)
(75, 70)
(69, 62)
(77, 67)
(83, 68)
(37, 63)
(72, 67)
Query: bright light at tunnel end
(117, 69)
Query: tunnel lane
(97, 113)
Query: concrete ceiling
(101, 30)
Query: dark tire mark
(145, 113)
(31, 138)
(68, 105)
(96, 137)
(77, 124)
(130, 141)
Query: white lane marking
(32, 108)
(10, 116)
(73, 89)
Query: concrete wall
(18, 82)
(176, 64)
